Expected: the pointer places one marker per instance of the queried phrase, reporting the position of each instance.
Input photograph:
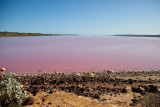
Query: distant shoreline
(131, 35)
(18, 34)
(15, 34)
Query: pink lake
(79, 53)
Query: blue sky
(102, 17)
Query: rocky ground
(94, 89)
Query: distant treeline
(138, 35)
(12, 34)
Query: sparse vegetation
(11, 94)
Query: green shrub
(10, 92)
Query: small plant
(11, 94)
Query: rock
(158, 89)
(2, 69)
(80, 86)
(90, 89)
(21, 86)
(80, 96)
(153, 88)
(78, 74)
(49, 103)
(92, 74)
(111, 71)
(141, 89)
(35, 91)
(43, 99)
(130, 81)
(50, 92)
(57, 72)
(127, 89)
(96, 96)
(28, 101)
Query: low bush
(11, 94)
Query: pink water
(79, 53)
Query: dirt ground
(63, 99)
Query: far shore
(133, 35)
(15, 34)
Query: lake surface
(79, 53)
